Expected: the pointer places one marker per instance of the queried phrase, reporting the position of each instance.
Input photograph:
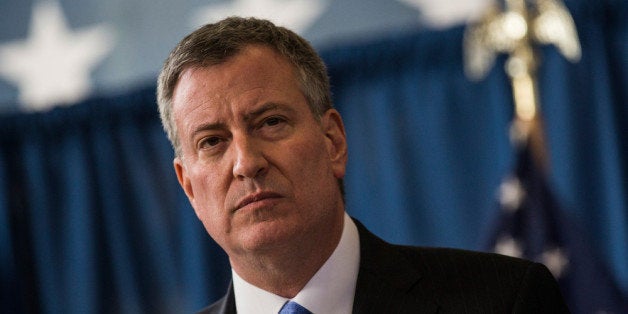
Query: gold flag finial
(515, 30)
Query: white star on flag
(511, 194)
(297, 15)
(52, 66)
(556, 261)
(508, 246)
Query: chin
(267, 235)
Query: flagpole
(521, 66)
(516, 30)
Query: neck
(286, 269)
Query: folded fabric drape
(93, 219)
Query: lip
(256, 197)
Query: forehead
(255, 75)
(253, 64)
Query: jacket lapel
(387, 282)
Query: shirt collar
(330, 290)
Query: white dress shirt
(330, 290)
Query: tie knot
(292, 307)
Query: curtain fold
(94, 220)
(96, 216)
(427, 147)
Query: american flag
(531, 224)
(58, 52)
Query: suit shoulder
(433, 257)
(493, 280)
(458, 281)
(444, 264)
(487, 277)
(460, 270)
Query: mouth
(259, 197)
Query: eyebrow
(208, 127)
(265, 108)
(247, 117)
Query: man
(261, 153)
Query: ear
(336, 141)
(183, 178)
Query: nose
(250, 161)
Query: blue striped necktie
(292, 307)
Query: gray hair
(214, 44)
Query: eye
(273, 121)
(209, 142)
(273, 127)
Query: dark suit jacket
(404, 279)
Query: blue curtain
(428, 148)
(93, 220)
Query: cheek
(209, 205)
(311, 164)
(209, 195)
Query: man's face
(257, 166)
